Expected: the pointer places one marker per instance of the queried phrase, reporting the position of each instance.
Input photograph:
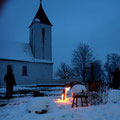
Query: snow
(114, 96)
(64, 104)
(40, 104)
(77, 89)
(37, 20)
(13, 50)
(17, 88)
(101, 112)
(17, 109)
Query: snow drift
(77, 89)
(41, 105)
(113, 96)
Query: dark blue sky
(95, 22)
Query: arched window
(9, 67)
(43, 35)
(24, 71)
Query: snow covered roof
(13, 50)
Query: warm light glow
(63, 97)
(66, 101)
(67, 89)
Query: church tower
(40, 35)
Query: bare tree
(112, 62)
(82, 58)
(64, 71)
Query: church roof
(41, 16)
(17, 51)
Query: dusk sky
(95, 22)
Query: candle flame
(63, 97)
(67, 89)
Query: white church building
(31, 62)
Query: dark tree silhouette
(112, 62)
(64, 71)
(98, 71)
(81, 60)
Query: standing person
(10, 82)
(116, 79)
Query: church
(31, 62)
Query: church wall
(37, 41)
(37, 73)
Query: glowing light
(67, 89)
(66, 101)
(63, 97)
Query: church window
(24, 72)
(9, 67)
(43, 35)
(32, 39)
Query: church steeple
(41, 16)
(40, 35)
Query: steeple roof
(41, 16)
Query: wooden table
(81, 96)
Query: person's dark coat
(10, 82)
(9, 78)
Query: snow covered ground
(17, 109)
(28, 90)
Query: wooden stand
(75, 100)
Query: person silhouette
(116, 78)
(10, 82)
